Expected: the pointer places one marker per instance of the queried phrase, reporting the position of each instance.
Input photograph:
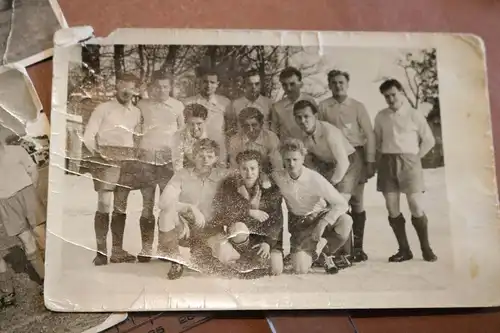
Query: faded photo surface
(211, 175)
(27, 28)
(24, 166)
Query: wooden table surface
(479, 17)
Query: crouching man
(186, 203)
(316, 209)
(248, 219)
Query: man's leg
(101, 226)
(358, 215)
(147, 223)
(118, 218)
(419, 221)
(7, 292)
(32, 253)
(301, 262)
(397, 223)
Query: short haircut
(390, 83)
(205, 71)
(161, 75)
(195, 111)
(249, 155)
(335, 72)
(249, 113)
(289, 72)
(291, 145)
(205, 144)
(127, 77)
(251, 73)
(304, 103)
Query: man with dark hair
(351, 117)
(282, 120)
(187, 203)
(253, 136)
(111, 138)
(403, 137)
(219, 108)
(316, 209)
(162, 117)
(253, 98)
(184, 139)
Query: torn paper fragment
(27, 28)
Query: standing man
(253, 136)
(253, 98)
(282, 120)
(351, 117)
(219, 108)
(187, 203)
(110, 136)
(403, 137)
(184, 139)
(316, 209)
(162, 117)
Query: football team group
(228, 171)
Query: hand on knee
(343, 226)
(225, 253)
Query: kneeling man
(316, 209)
(186, 203)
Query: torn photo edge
(465, 108)
(26, 120)
(45, 54)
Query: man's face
(160, 90)
(306, 119)
(253, 86)
(125, 91)
(339, 85)
(291, 85)
(249, 171)
(393, 97)
(209, 84)
(293, 161)
(196, 126)
(252, 128)
(205, 158)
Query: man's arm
(233, 151)
(366, 125)
(377, 131)
(177, 150)
(335, 200)
(274, 152)
(274, 121)
(335, 144)
(427, 140)
(321, 111)
(180, 117)
(92, 128)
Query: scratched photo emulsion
(278, 166)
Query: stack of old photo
(209, 170)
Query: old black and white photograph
(27, 28)
(226, 172)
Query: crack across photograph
(256, 162)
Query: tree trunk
(91, 62)
(140, 50)
(118, 59)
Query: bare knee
(392, 204)
(343, 226)
(276, 262)
(301, 263)
(104, 201)
(222, 249)
(415, 205)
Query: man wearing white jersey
(162, 116)
(316, 209)
(252, 98)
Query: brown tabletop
(479, 17)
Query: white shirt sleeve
(335, 200)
